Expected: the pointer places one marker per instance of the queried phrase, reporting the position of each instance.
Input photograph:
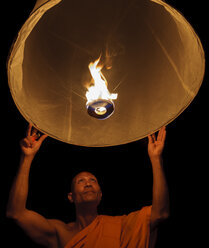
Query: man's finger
(164, 135)
(26, 142)
(150, 139)
(161, 134)
(42, 138)
(34, 131)
(28, 133)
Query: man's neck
(85, 215)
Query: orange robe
(127, 231)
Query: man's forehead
(80, 175)
(84, 174)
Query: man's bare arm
(36, 226)
(160, 198)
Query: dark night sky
(123, 171)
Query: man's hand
(31, 144)
(155, 146)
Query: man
(90, 230)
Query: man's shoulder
(144, 211)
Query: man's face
(85, 189)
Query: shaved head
(77, 176)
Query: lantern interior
(151, 55)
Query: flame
(99, 89)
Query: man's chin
(90, 200)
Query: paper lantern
(149, 55)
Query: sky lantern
(106, 72)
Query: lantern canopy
(150, 56)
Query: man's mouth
(88, 191)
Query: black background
(124, 172)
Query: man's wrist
(156, 159)
(27, 157)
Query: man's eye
(93, 180)
(80, 180)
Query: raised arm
(160, 198)
(36, 226)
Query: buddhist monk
(90, 230)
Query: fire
(99, 89)
(99, 100)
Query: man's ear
(100, 194)
(70, 197)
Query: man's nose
(88, 184)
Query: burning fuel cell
(99, 100)
(101, 108)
